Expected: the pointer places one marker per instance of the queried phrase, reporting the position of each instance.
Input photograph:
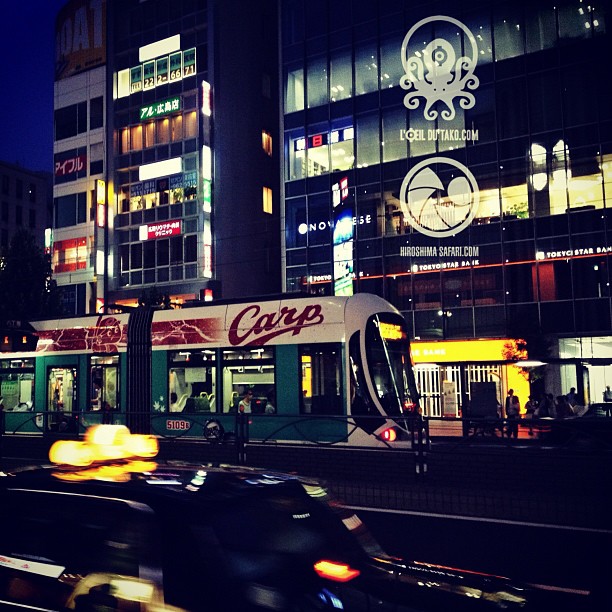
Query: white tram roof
(249, 323)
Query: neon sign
(323, 139)
(159, 230)
(158, 109)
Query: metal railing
(416, 433)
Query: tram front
(384, 396)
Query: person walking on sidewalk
(513, 409)
(530, 409)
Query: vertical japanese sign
(343, 238)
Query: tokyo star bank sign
(439, 195)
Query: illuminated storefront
(477, 145)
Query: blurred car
(122, 532)
(600, 410)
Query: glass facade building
(471, 143)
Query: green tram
(305, 369)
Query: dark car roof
(140, 480)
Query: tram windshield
(388, 357)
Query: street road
(567, 558)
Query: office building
(25, 203)
(456, 159)
(166, 151)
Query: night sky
(27, 57)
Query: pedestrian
(562, 407)
(543, 409)
(270, 409)
(607, 394)
(572, 398)
(513, 409)
(245, 402)
(530, 409)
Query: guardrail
(239, 429)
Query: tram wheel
(213, 430)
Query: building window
(149, 134)
(5, 212)
(136, 138)
(70, 209)
(5, 184)
(294, 90)
(32, 219)
(341, 76)
(96, 158)
(32, 192)
(19, 215)
(124, 141)
(177, 128)
(163, 131)
(368, 140)
(391, 69)
(266, 142)
(317, 82)
(296, 160)
(70, 121)
(341, 140)
(96, 113)
(191, 125)
(70, 255)
(19, 189)
(393, 125)
(267, 200)
(366, 69)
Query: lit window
(266, 142)
(267, 200)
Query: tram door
(61, 396)
(104, 383)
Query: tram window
(104, 377)
(17, 384)
(321, 366)
(248, 369)
(192, 381)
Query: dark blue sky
(27, 57)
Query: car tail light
(389, 435)
(332, 570)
